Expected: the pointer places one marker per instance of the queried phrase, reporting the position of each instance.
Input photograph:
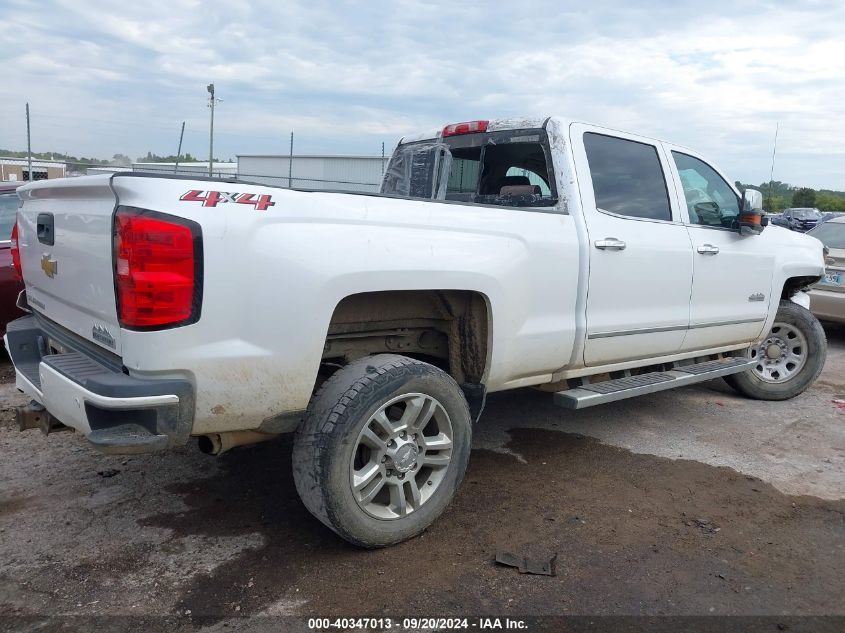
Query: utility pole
(382, 158)
(179, 151)
(211, 100)
(290, 163)
(772, 172)
(28, 144)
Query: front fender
(798, 256)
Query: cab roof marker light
(467, 127)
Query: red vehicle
(10, 283)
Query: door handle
(708, 249)
(610, 244)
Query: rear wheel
(789, 359)
(382, 450)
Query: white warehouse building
(331, 173)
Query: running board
(611, 390)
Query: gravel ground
(688, 502)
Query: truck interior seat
(519, 190)
(511, 181)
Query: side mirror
(752, 200)
(751, 217)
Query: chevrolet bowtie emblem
(49, 266)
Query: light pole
(179, 151)
(211, 102)
(28, 146)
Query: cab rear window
(503, 168)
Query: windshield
(807, 214)
(508, 168)
(831, 234)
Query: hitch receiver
(35, 416)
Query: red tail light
(16, 253)
(157, 269)
(468, 127)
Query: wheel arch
(797, 283)
(450, 328)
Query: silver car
(827, 298)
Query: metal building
(325, 172)
(18, 169)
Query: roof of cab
(495, 125)
(522, 123)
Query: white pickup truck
(588, 262)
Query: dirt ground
(688, 502)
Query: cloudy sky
(107, 77)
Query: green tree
(830, 201)
(776, 194)
(775, 204)
(155, 158)
(804, 197)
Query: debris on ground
(839, 404)
(706, 525)
(108, 472)
(527, 565)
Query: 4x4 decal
(260, 202)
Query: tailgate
(65, 237)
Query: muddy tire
(790, 358)
(382, 450)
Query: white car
(589, 262)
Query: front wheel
(383, 448)
(789, 359)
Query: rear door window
(627, 177)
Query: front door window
(710, 200)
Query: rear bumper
(116, 412)
(828, 305)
